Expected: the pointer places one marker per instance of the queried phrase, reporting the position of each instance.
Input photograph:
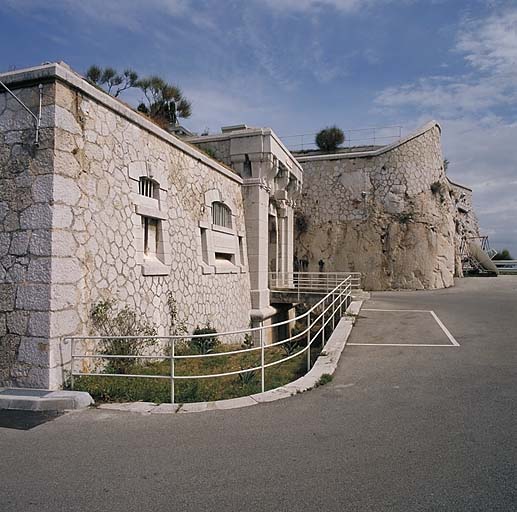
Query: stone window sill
(148, 211)
(222, 229)
(155, 268)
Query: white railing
(89, 357)
(316, 283)
(374, 136)
(507, 266)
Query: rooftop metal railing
(89, 358)
(314, 283)
(374, 136)
(507, 266)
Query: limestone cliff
(388, 213)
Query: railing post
(333, 310)
(309, 340)
(323, 324)
(173, 397)
(263, 387)
(72, 363)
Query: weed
(116, 325)
(325, 379)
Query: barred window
(221, 215)
(146, 187)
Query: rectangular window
(150, 232)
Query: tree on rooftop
(503, 255)
(330, 138)
(113, 82)
(163, 102)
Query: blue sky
(300, 65)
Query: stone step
(24, 399)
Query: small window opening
(150, 228)
(221, 215)
(224, 257)
(146, 187)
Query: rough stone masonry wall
(25, 238)
(378, 215)
(83, 205)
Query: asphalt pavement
(409, 423)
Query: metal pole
(173, 344)
(309, 341)
(72, 363)
(323, 324)
(262, 360)
(333, 309)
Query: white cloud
(340, 5)
(475, 110)
(490, 44)
(129, 14)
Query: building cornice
(61, 72)
(376, 152)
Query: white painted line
(399, 310)
(445, 330)
(399, 345)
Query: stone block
(17, 322)
(33, 351)
(39, 270)
(42, 189)
(41, 243)
(39, 324)
(63, 296)
(33, 297)
(37, 216)
(66, 190)
(64, 323)
(7, 297)
(65, 270)
(19, 243)
(63, 243)
(5, 243)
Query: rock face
(388, 213)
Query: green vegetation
(115, 323)
(330, 138)
(503, 255)
(204, 344)
(107, 321)
(405, 217)
(120, 389)
(325, 379)
(163, 102)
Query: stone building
(388, 212)
(106, 205)
(98, 203)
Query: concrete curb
(22, 399)
(325, 364)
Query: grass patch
(325, 379)
(126, 389)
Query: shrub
(107, 321)
(325, 379)
(436, 187)
(204, 344)
(405, 217)
(301, 223)
(330, 138)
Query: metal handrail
(310, 282)
(331, 306)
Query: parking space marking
(454, 342)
